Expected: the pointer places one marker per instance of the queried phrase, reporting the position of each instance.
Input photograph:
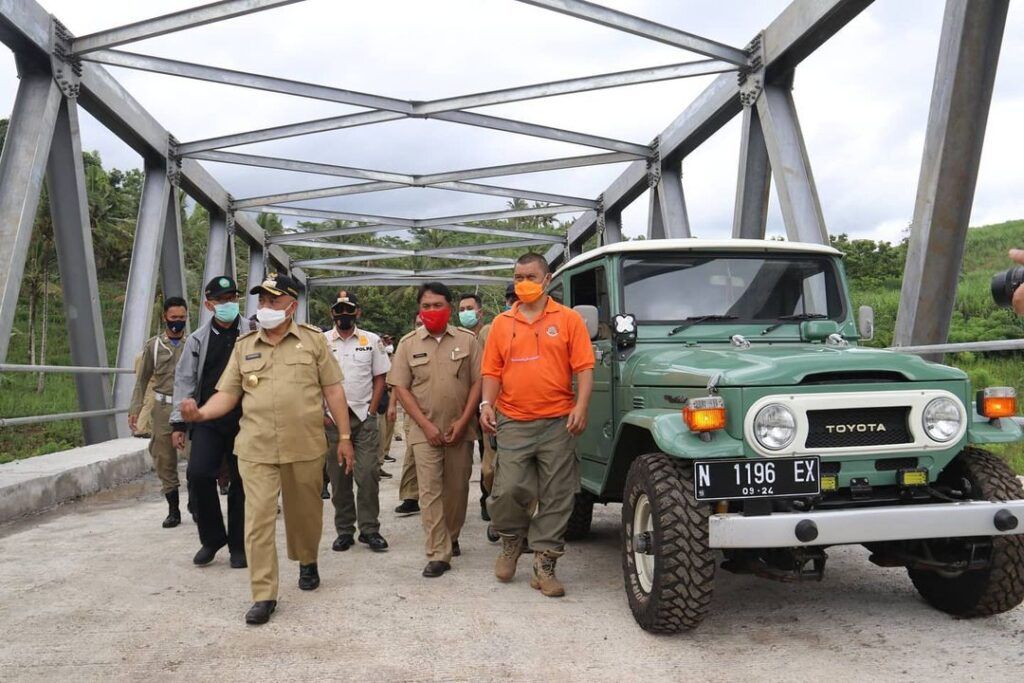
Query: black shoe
(205, 555)
(309, 577)
(223, 488)
(388, 458)
(342, 542)
(435, 569)
(492, 535)
(484, 514)
(173, 517)
(398, 437)
(385, 475)
(324, 493)
(408, 507)
(456, 550)
(260, 612)
(375, 541)
(238, 561)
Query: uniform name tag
(253, 356)
(419, 355)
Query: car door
(590, 287)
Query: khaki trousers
(299, 485)
(443, 474)
(364, 504)
(536, 460)
(487, 464)
(386, 432)
(165, 457)
(407, 486)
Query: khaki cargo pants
(299, 485)
(364, 504)
(165, 456)
(536, 460)
(408, 488)
(443, 475)
(386, 432)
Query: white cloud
(863, 100)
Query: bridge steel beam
(72, 236)
(672, 202)
(750, 216)
(169, 23)
(172, 255)
(797, 32)
(137, 315)
(969, 44)
(610, 227)
(22, 167)
(257, 273)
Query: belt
(162, 398)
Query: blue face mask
(468, 318)
(226, 312)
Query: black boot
(173, 518)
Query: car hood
(773, 365)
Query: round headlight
(775, 426)
(942, 418)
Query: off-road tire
(581, 517)
(684, 565)
(1000, 587)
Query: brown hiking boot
(505, 566)
(544, 575)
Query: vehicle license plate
(757, 478)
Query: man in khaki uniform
(158, 359)
(436, 373)
(282, 374)
(408, 488)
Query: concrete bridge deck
(96, 590)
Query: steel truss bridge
(59, 72)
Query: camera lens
(1004, 284)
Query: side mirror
(624, 330)
(866, 323)
(590, 317)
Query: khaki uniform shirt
(159, 358)
(282, 394)
(482, 337)
(439, 375)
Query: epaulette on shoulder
(311, 328)
(407, 335)
(246, 334)
(463, 330)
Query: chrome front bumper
(866, 525)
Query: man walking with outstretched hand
(532, 353)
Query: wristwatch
(482, 404)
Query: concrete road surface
(97, 590)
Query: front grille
(858, 427)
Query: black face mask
(345, 321)
(175, 326)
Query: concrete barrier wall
(36, 484)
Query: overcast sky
(863, 100)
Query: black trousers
(212, 445)
(483, 489)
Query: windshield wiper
(790, 318)
(696, 319)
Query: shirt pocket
(459, 360)
(301, 367)
(253, 371)
(420, 369)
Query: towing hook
(643, 543)
(1005, 520)
(806, 531)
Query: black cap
(220, 285)
(347, 302)
(276, 285)
(510, 291)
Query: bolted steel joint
(750, 77)
(173, 161)
(654, 163)
(66, 66)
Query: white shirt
(361, 358)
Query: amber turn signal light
(995, 402)
(705, 414)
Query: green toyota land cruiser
(737, 419)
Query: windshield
(748, 288)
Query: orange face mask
(528, 291)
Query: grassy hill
(875, 270)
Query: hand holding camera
(1006, 286)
